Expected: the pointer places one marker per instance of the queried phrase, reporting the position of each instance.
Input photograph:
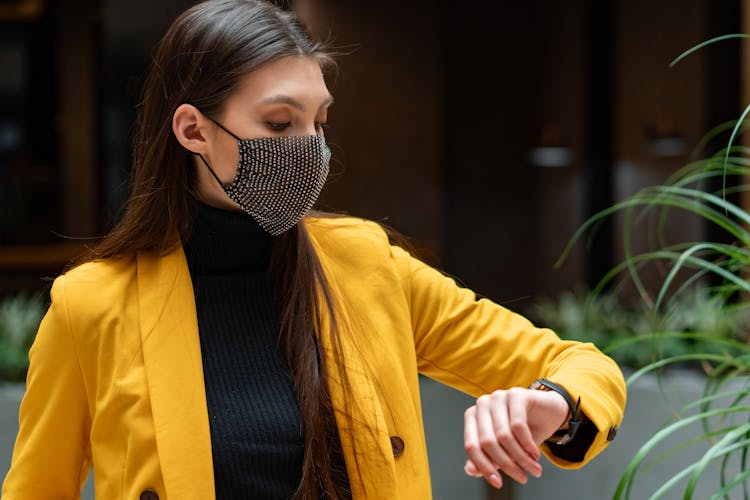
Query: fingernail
(495, 480)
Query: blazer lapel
(174, 370)
(362, 430)
(359, 414)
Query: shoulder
(349, 244)
(100, 273)
(96, 283)
(352, 233)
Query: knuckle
(470, 412)
(487, 442)
(516, 392)
(503, 435)
(483, 400)
(471, 447)
(517, 426)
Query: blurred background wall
(487, 132)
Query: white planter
(10, 398)
(443, 414)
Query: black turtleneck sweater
(256, 435)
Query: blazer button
(612, 433)
(149, 494)
(397, 445)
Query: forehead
(298, 77)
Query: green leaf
(704, 44)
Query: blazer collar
(174, 371)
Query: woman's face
(281, 98)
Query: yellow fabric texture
(116, 377)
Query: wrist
(566, 432)
(564, 410)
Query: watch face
(559, 440)
(560, 437)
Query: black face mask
(278, 178)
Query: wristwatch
(563, 436)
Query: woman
(223, 343)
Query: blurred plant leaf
(20, 316)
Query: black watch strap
(562, 436)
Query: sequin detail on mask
(279, 179)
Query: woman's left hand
(503, 431)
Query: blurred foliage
(615, 325)
(20, 316)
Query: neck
(224, 242)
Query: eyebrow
(285, 99)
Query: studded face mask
(278, 178)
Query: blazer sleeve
(477, 346)
(51, 458)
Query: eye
(278, 126)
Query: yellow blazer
(116, 378)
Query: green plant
(620, 327)
(20, 316)
(722, 414)
(716, 346)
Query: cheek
(225, 161)
(209, 191)
(203, 181)
(229, 164)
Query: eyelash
(278, 126)
(281, 126)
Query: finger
(495, 440)
(503, 424)
(471, 444)
(519, 427)
(471, 469)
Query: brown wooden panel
(76, 53)
(38, 257)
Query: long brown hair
(201, 60)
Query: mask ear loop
(210, 169)
(222, 127)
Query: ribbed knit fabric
(254, 419)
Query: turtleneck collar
(223, 242)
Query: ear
(191, 128)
